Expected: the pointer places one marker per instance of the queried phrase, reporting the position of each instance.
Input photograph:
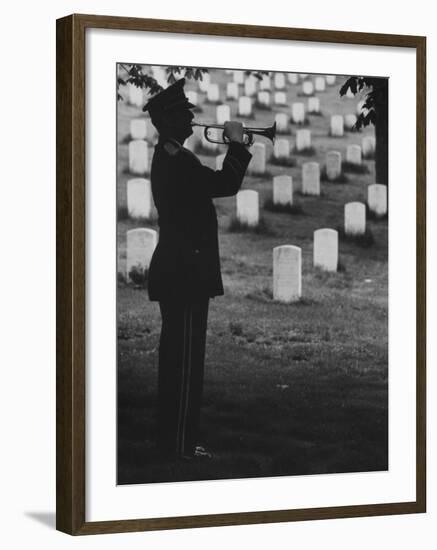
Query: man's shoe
(200, 452)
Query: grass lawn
(289, 389)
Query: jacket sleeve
(228, 180)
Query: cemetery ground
(290, 389)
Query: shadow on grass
(307, 152)
(365, 240)
(341, 178)
(306, 122)
(262, 228)
(354, 168)
(289, 162)
(262, 106)
(210, 102)
(371, 215)
(294, 209)
(265, 295)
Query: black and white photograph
(252, 273)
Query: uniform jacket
(186, 264)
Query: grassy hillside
(289, 389)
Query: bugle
(248, 133)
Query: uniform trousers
(180, 377)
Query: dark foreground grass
(301, 400)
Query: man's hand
(234, 131)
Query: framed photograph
(240, 274)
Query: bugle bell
(248, 133)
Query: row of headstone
(252, 85)
(287, 259)
(279, 80)
(138, 157)
(354, 212)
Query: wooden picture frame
(71, 253)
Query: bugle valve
(248, 133)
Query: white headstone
(349, 121)
(138, 128)
(311, 178)
(293, 78)
(313, 105)
(353, 154)
(355, 218)
(141, 244)
(307, 87)
(282, 190)
(368, 144)
(264, 98)
(138, 157)
(280, 98)
(223, 113)
(303, 139)
(232, 90)
(377, 199)
(205, 82)
(337, 125)
(239, 77)
(330, 79)
(213, 93)
(320, 84)
(193, 97)
(333, 164)
(139, 198)
(257, 164)
(279, 81)
(281, 148)
(250, 85)
(265, 83)
(244, 106)
(298, 113)
(325, 253)
(281, 120)
(219, 161)
(136, 95)
(248, 207)
(287, 273)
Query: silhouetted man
(184, 271)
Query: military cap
(171, 98)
